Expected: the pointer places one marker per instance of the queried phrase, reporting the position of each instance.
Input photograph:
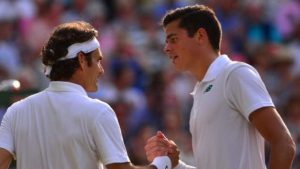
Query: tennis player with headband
(61, 127)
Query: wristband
(162, 162)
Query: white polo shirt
(222, 136)
(62, 128)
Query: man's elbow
(289, 146)
(292, 147)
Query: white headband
(74, 49)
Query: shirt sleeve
(6, 135)
(108, 139)
(246, 91)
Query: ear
(201, 35)
(81, 60)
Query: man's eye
(173, 40)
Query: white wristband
(162, 162)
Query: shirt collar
(62, 86)
(216, 67)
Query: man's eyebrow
(170, 35)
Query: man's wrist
(162, 162)
(151, 166)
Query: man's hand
(173, 153)
(159, 145)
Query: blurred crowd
(140, 83)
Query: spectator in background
(282, 64)
(296, 84)
(292, 111)
(260, 59)
(259, 29)
(137, 142)
(34, 35)
(9, 52)
(230, 19)
(162, 6)
(287, 17)
(294, 48)
(173, 127)
(292, 118)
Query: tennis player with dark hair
(61, 127)
(232, 114)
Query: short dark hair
(191, 18)
(56, 47)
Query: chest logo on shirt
(209, 87)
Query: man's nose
(101, 70)
(167, 48)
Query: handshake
(162, 152)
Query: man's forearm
(5, 158)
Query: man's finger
(160, 134)
(154, 141)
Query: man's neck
(203, 65)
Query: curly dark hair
(56, 47)
(191, 18)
